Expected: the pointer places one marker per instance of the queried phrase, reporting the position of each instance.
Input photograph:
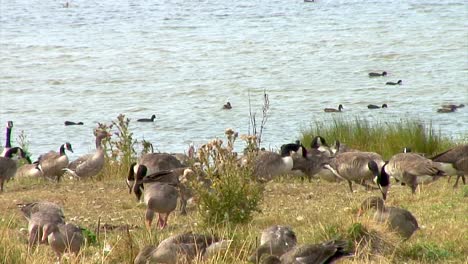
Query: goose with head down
(66, 238)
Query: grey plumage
(66, 238)
(28, 171)
(8, 166)
(327, 252)
(52, 163)
(275, 240)
(454, 161)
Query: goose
(147, 119)
(52, 163)
(453, 106)
(43, 219)
(275, 240)
(333, 110)
(360, 167)
(182, 248)
(394, 83)
(66, 238)
(339, 147)
(91, 164)
(327, 252)
(446, 110)
(454, 161)
(376, 74)
(372, 106)
(268, 165)
(8, 166)
(155, 162)
(9, 127)
(71, 123)
(29, 171)
(398, 219)
(227, 106)
(412, 169)
(319, 146)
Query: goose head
(66, 146)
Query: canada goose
(182, 248)
(394, 83)
(372, 106)
(331, 110)
(43, 219)
(360, 167)
(268, 165)
(453, 106)
(275, 240)
(454, 161)
(66, 238)
(339, 147)
(319, 144)
(29, 171)
(412, 169)
(9, 127)
(8, 166)
(147, 119)
(376, 74)
(70, 123)
(446, 110)
(91, 164)
(155, 162)
(327, 252)
(227, 106)
(398, 219)
(52, 163)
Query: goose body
(91, 164)
(52, 163)
(453, 106)
(155, 162)
(412, 169)
(275, 240)
(28, 171)
(71, 123)
(66, 238)
(454, 161)
(270, 164)
(9, 127)
(372, 106)
(446, 110)
(398, 219)
(377, 74)
(331, 110)
(394, 83)
(227, 106)
(147, 119)
(8, 166)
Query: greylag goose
(182, 248)
(454, 162)
(147, 119)
(333, 110)
(8, 166)
(275, 240)
(360, 167)
(398, 219)
(52, 163)
(268, 165)
(66, 238)
(412, 169)
(91, 164)
(9, 127)
(394, 83)
(377, 74)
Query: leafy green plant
(427, 252)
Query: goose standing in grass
(9, 127)
(360, 167)
(394, 83)
(372, 106)
(182, 248)
(91, 164)
(147, 119)
(8, 166)
(412, 169)
(52, 163)
(377, 74)
(333, 110)
(275, 240)
(398, 219)
(66, 238)
(268, 165)
(454, 162)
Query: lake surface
(182, 60)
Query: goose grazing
(454, 162)
(52, 164)
(91, 164)
(360, 167)
(268, 165)
(412, 169)
(333, 110)
(9, 127)
(275, 241)
(394, 83)
(398, 219)
(376, 74)
(147, 119)
(71, 123)
(327, 252)
(182, 248)
(43, 219)
(66, 238)
(8, 166)
(372, 106)
(227, 106)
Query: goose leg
(33, 236)
(350, 186)
(149, 218)
(458, 178)
(2, 181)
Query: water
(182, 60)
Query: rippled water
(182, 60)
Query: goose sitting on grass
(182, 248)
(29, 171)
(398, 219)
(268, 165)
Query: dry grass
(317, 211)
